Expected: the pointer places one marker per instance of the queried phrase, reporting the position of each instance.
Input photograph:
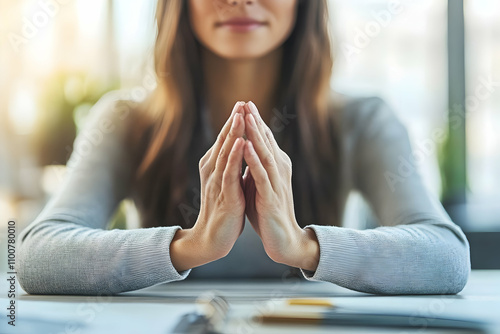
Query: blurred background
(436, 62)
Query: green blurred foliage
(119, 219)
(452, 164)
(64, 102)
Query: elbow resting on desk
(444, 267)
(419, 258)
(456, 256)
(57, 256)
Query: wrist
(302, 250)
(188, 250)
(308, 258)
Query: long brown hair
(168, 124)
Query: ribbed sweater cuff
(146, 259)
(170, 273)
(339, 259)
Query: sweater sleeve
(67, 249)
(418, 250)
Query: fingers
(258, 172)
(264, 130)
(264, 153)
(232, 173)
(251, 110)
(205, 157)
(236, 131)
(221, 138)
(254, 134)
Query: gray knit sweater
(416, 249)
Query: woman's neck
(229, 81)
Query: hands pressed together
(263, 193)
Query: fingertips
(236, 121)
(260, 126)
(223, 134)
(237, 109)
(255, 113)
(253, 109)
(237, 106)
(238, 126)
(247, 110)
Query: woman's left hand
(269, 197)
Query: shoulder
(113, 109)
(117, 116)
(367, 117)
(107, 129)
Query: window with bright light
(483, 105)
(399, 53)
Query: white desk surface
(157, 309)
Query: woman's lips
(241, 24)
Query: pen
(212, 312)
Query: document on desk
(320, 313)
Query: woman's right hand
(222, 211)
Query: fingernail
(234, 121)
(252, 120)
(253, 107)
(237, 105)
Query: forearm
(423, 258)
(60, 257)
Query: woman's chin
(243, 53)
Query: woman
(163, 153)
